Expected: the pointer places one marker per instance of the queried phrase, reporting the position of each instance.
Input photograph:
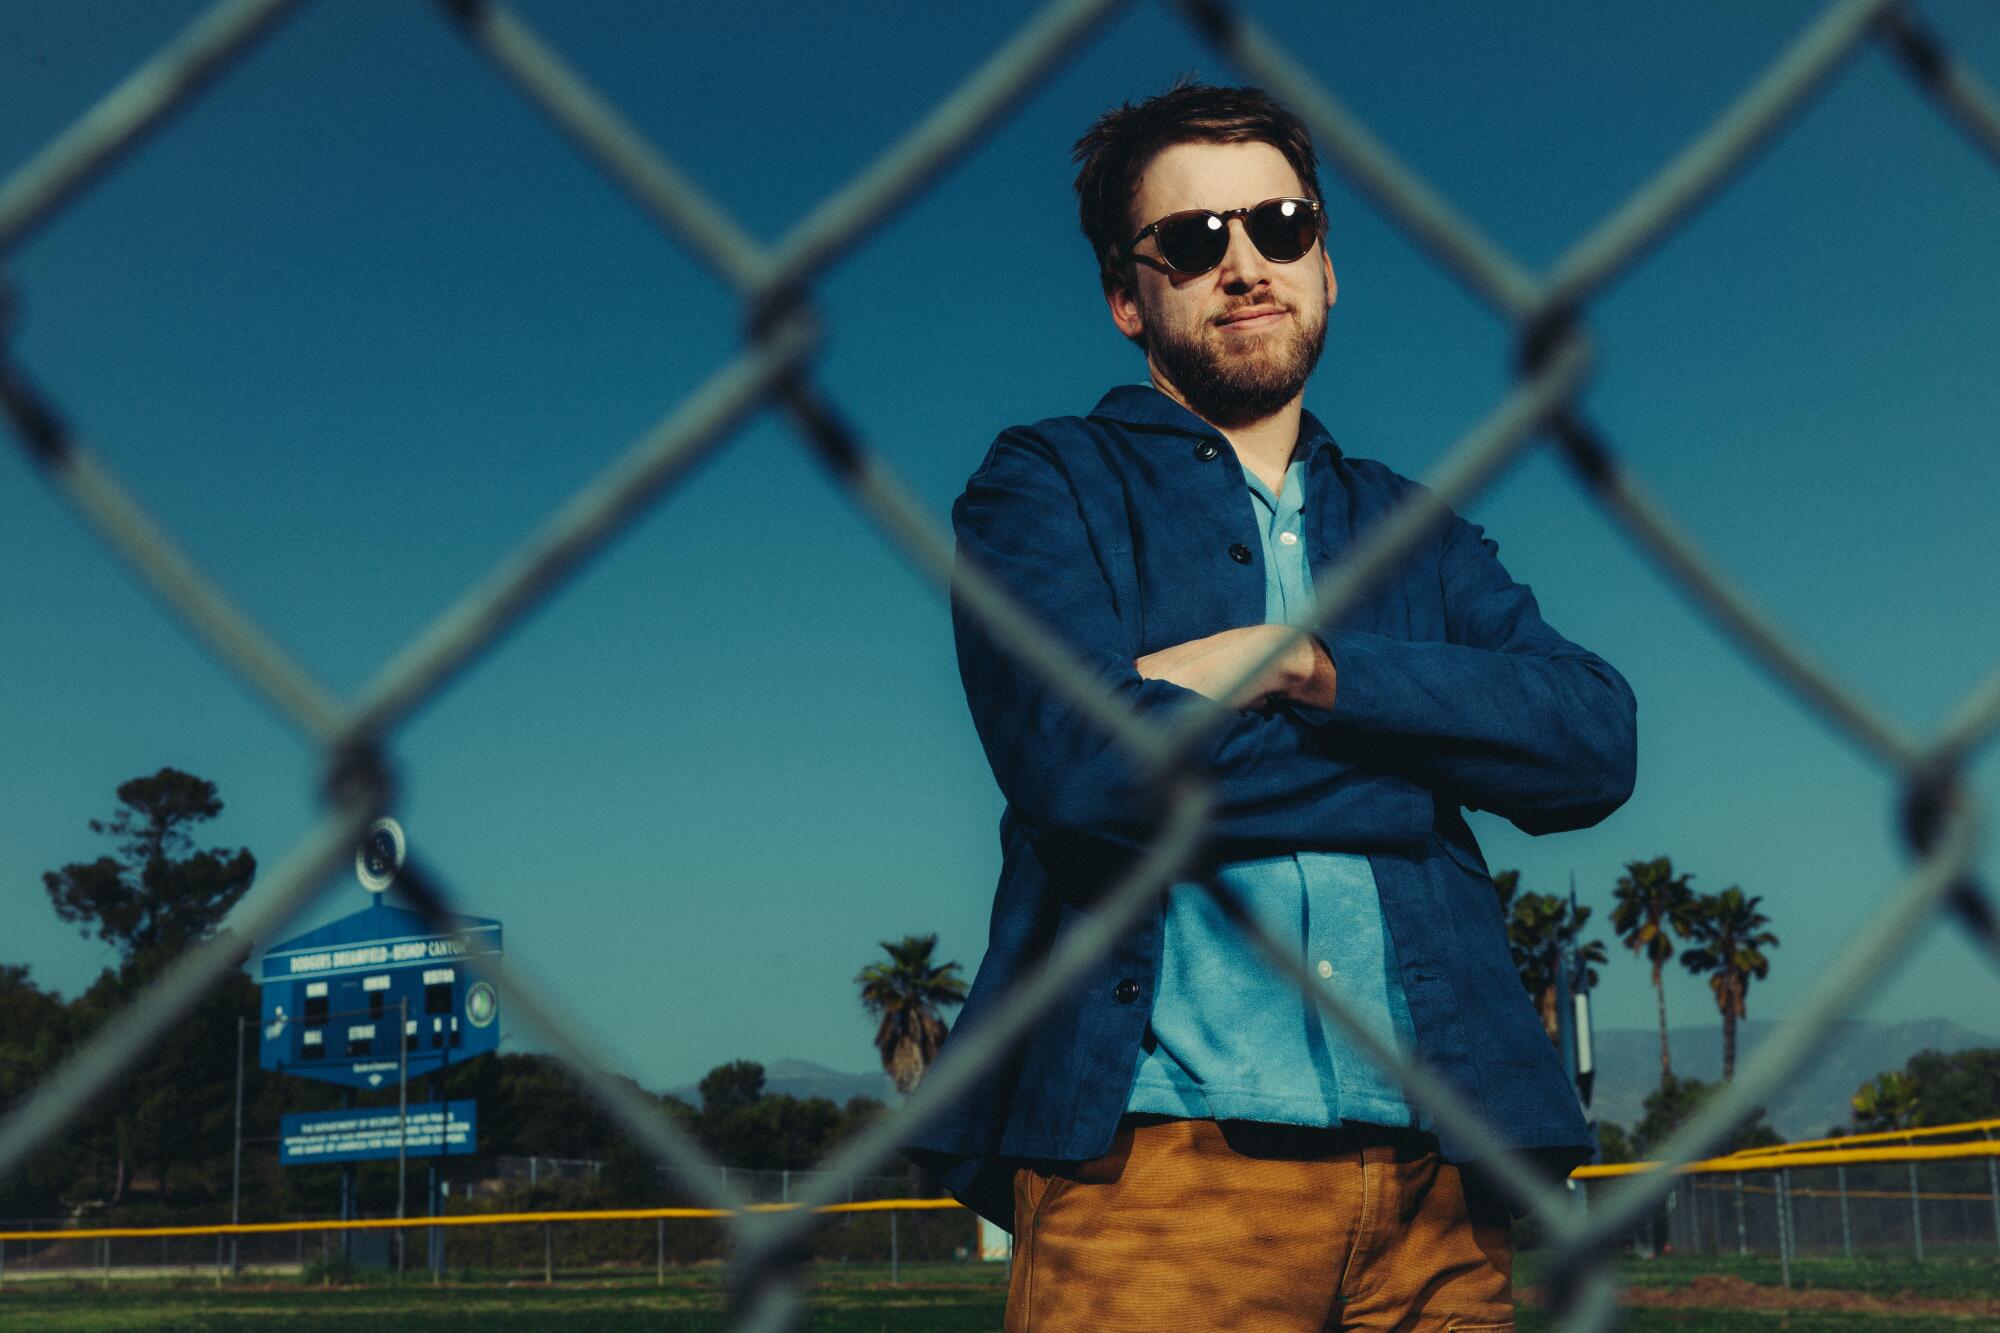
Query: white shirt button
(1288, 538)
(1325, 970)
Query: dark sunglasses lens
(1193, 243)
(1283, 229)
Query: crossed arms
(1502, 714)
(1303, 674)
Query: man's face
(1235, 343)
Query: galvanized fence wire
(775, 368)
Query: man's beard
(1236, 388)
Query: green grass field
(1731, 1296)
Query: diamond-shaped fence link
(776, 367)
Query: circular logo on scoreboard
(482, 1006)
(380, 855)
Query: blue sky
(356, 321)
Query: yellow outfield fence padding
(1779, 1159)
(472, 1220)
(1968, 1127)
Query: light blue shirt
(1231, 1038)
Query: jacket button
(1128, 991)
(1240, 553)
(1207, 451)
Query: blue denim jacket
(1125, 532)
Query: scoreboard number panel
(332, 997)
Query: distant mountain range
(1628, 1068)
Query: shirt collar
(1146, 407)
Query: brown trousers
(1252, 1228)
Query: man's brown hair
(1116, 150)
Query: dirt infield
(1722, 1291)
(1728, 1292)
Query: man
(1186, 1142)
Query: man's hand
(1303, 674)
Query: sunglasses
(1193, 242)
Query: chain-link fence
(1906, 1193)
(777, 367)
(1911, 1210)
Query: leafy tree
(1676, 1101)
(34, 1026)
(679, 1111)
(159, 894)
(530, 1105)
(859, 1113)
(905, 994)
(1888, 1101)
(31, 1029)
(1614, 1144)
(1654, 905)
(168, 1118)
(1934, 1088)
(1957, 1087)
(731, 1087)
(745, 1126)
(773, 1133)
(1543, 929)
(1730, 944)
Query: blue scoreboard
(334, 997)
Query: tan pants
(1195, 1224)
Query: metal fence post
(236, 1160)
(660, 1252)
(403, 1126)
(104, 1254)
(1993, 1187)
(1742, 1232)
(895, 1259)
(1916, 1214)
(1782, 1193)
(548, 1253)
(1846, 1228)
(430, 1210)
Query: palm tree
(1542, 930)
(1653, 901)
(1730, 943)
(1589, 954)
(905, 994)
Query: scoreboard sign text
(433, 1129)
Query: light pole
(402, 1122)
(236, 1163)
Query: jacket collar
(1145, 407)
